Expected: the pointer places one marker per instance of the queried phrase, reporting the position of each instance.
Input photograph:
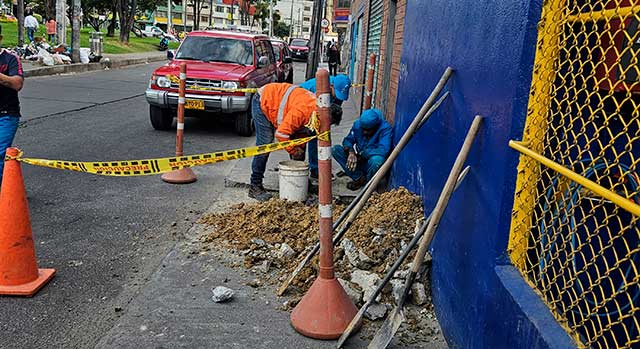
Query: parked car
(299, 48)
(283, 60)
(214, 59)
(155, 32)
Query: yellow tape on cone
(131, 168)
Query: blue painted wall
(491, 45)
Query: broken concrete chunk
(364, 262)
(350, 251)
(258, 242)
(418, 294)
(379, 231)
(355, 295)
(376, 311)
(286, 251)
(367, 282)
(265, 266)
(397, 287)
(222, 294)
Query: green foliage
(281, 29)
(110, 45)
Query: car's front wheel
(244, 124)
(161, 118)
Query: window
(161, 14)
(276, 52)
(306, 19)
(189, 17)
(264, 49)
(343, 4)
(219, 8)
(204, 19)
(307, 8)
(218, 21)
(306, 29)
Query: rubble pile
(274, 236)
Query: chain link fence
(575, 233)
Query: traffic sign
(324, 23)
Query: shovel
(354, 324)
(391, 325)
(356, 206)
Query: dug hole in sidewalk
(175, 308)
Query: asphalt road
(105, 236)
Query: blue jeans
(312, 148)
(30, 32)
(8, 128)
(264, 135)
(366, 167)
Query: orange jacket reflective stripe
(297, 112)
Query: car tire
(244, 124)
(161, 119)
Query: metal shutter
(376, 10)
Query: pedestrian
(334, 59)
(365, 148)
(287, 112)
(31, 24)
(340, 85)
(51, 30)
(11, 81)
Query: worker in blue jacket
(365, 149)
(340, 85)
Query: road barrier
(19, 273)
(184, 175)
(326, 310)
(146, 167)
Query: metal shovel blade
(388, 329)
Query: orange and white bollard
(185, 175)
(326, 310)
(368, 91)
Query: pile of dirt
(386, 222)
(274, 236)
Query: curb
(81, 68)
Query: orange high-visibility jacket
(297, 111)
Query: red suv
(214, 59)
(283, 61)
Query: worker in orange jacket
(287, 112)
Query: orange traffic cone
(19, 273)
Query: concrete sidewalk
(32, 68)
(241, 172)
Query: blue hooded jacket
(379, 144)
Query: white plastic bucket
(293, 180)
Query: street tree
(281, 29)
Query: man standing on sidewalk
(11, 82)
(31, 24)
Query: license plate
(194, 104)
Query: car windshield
(299, 42)
(211, 49)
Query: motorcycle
(164, 43)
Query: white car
(155, 32)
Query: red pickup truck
(215, 59)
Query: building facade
(298, 14)
(376, 26)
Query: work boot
(357, 184)
(257, 192)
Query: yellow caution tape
(148, 167)
(358, 85)
(176, 80)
